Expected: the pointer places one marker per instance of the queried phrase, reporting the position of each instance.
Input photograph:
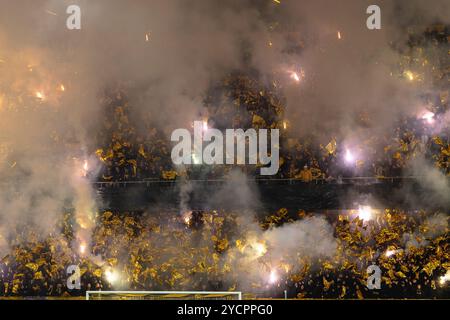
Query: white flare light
(428, 117)
(365, 213)
(111, 276)
(273, 277)
(82, 248)
(259, 248)
(390, 253)
(349, 157)
(443, 279)
(85, 168)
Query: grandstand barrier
(163, 295)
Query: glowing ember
(147, 37)
(187, 216)
(284, 125)
(365, 213)
(273, 277)
(295, 76)
(287, 268)
(205, 125)
(62, 88)
(339, 35)
(409, 75)
(40, 95)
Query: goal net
(163, 295)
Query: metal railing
(288, 181)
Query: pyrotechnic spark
(277, 1)
(51, 12)
(295, 76)
(284, 125)
(410, 75)
(111, 276)
(147, 37)
(339, 36)
(428, 116)
(286, 267)
(365, 213)
(62, 88)
(187, 216)
(273, 277)
(205, 125)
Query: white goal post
(163, 295)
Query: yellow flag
(331, 146)
(32, 266)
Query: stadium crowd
(203, 250)
(244, 100)
(207, 250)
(129, 155)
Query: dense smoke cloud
(434, 226)
(312, 237)
(47, 131)
(194, 43)
(350, 77)
(237, 192)
(435, 184)
(43, 128)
